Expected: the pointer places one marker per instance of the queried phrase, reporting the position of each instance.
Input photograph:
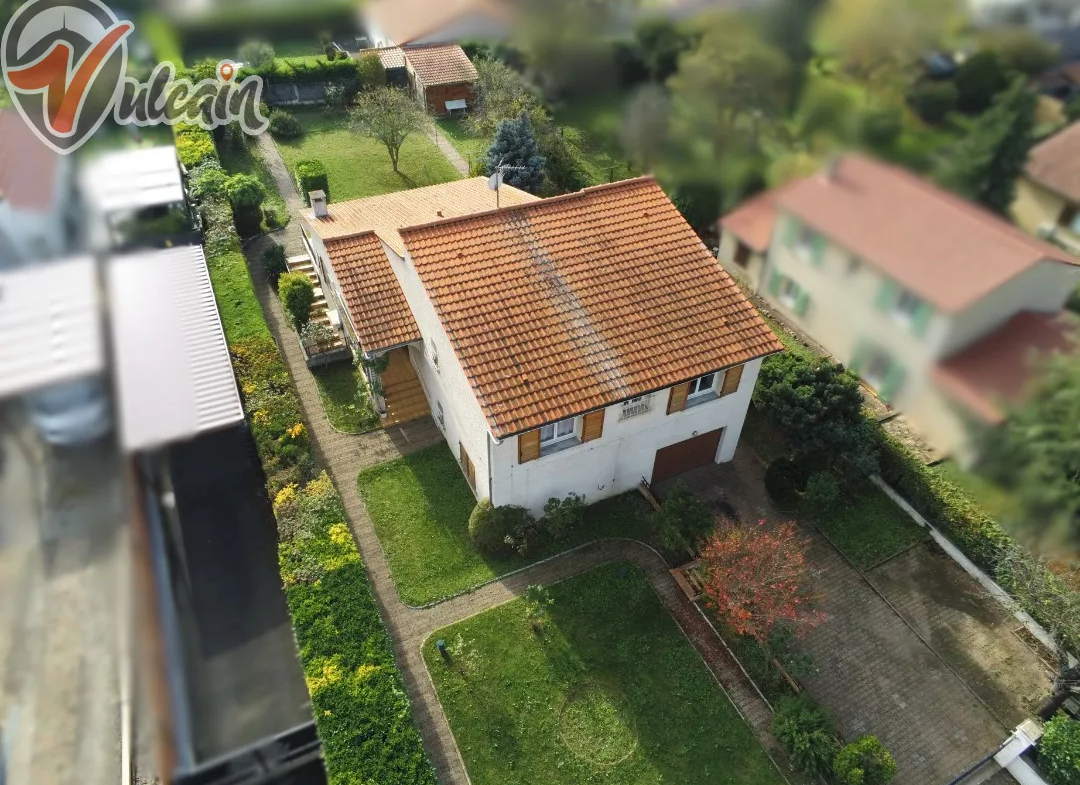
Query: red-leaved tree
(756, 578)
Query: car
(71, 413)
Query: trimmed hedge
(310, 68)
(358, 696)
(311, 176)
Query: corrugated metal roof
(133, 179)
(173, 375)
(50, 325)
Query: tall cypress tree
(515, 145)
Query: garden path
(447, 149)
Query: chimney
(832, 168)
(318, 204)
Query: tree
(819, 406)
(986, 164)
(1021, 50)
(789, 26)
(978, 80)
(756, 579)
(864, 762)
(246, 194)
(933, 101)
(297, 293)
(1035, 455)
(257, 54)
(1059, 750)
(370, 71)
(501, 93)
(515, 146)
(645, 125)
(661, 42)
(389, 116)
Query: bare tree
(388, 115)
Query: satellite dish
(495, 181)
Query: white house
(575, 344)
(936, 303)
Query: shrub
(194, 145)
(684, 511)
(785, 481)
(273, 261)
(485, 530)
(1059, 750)
(207, 181)
(524, 532)
(864, 762)
(370, 72)
(537, 602)
(317, 337)
(245, 190)
(284, 125)
(880, 126)
(297, 293)
(978, 80)
(257, 54)
(1072, 109)
(311, 176)
(933, 101)
(806, 733)
(562, 516)
(822, 493)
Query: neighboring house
(1048, 194)
(575, 344)
(441, 76)
(937, 304)
(401, 22)
(38, 214)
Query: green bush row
(309, 68)
(358, 696)
(311, 176)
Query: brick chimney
(318, 204)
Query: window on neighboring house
(557, 432)
(433, 353)
(635, 406)
(853, 265)
(789, 292)
(1068, 217)
(906, 307)
(742, 254)
(703, 385)
(467, 465)
(879, 370)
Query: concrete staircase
(402, 394)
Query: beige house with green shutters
(937, 305)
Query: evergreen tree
(984, 166)
(515, 145)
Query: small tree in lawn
(515, 146)
(389, 116)
(755, 578)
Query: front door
(683, 456)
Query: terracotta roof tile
(946, 250)
(1000, 367)
(1055, 164)
(27, 166)
(438, 64)
(373, 297)
(387, 213)
(571, 303)
(753, 220)
(389, 56)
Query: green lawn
(473, 148)
(609, 692)
(345, 399)
(869, 527)
(592, 125)
(358, 166)
(245, 158)
(241, 314)
(420, 505)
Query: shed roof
(439, 64)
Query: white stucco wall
(327, 276)
(625, 453)
(751, 274)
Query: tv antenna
(496, 178)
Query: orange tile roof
(1000, 367)
(387, 213)
(389, 56)
(1055, 164)
(27, 166)
(946, 250)
(377, 307)
(753, 220)
(567, 304)
(438, 64)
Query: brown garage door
(684, 456)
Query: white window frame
(788, 292)
(632, 407)
(878, 357)
(698, 388)
(561, 431)
(906, 306)
(441, 416)
(433, 355)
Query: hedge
(358, 696)
(311, 176)
(310, 68)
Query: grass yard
(358, 166)
(592, 125)
(473, 148)
(345, 398)
(420, 505)
(245, 158)
(869, 528)
(241, 314)
(610, 692)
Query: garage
(684, 456)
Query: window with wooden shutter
(732, 377)
(677, 398)
(529, 446)
(467, 465)
(592, 426)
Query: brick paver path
(345, 455)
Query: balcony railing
(636, 406)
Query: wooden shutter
(677, 398)
(529, 446)
(886, 298)
(921, 319)
(593, 426)
(893, 379)
(817, 249)
(791, 231)
(732, 377)
(801, 302)
(774, 283)
(467, 465)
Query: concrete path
(345, 455)
(435, 134)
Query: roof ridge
(538, 203)
(350, 236)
